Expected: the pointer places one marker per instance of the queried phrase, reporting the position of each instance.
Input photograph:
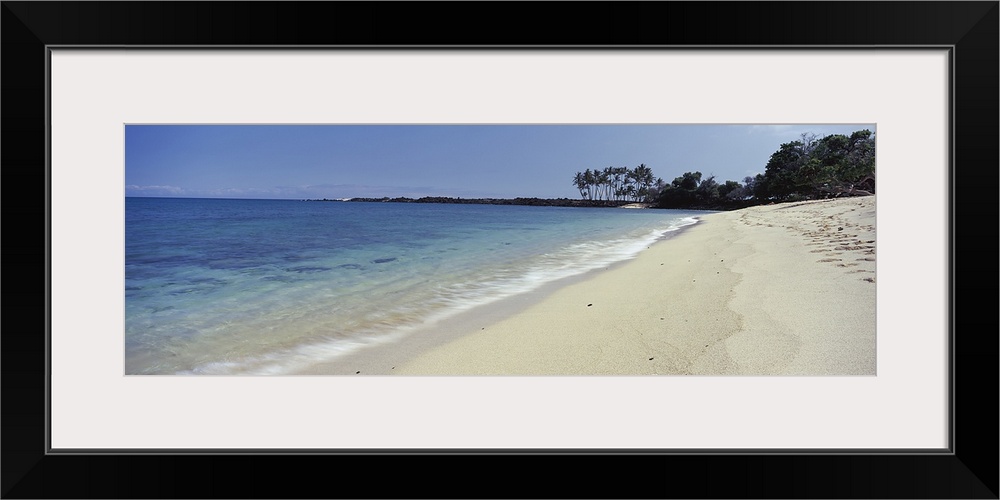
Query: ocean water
(272, 286)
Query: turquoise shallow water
(269, 286)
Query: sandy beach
(783, 289)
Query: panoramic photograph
(500, 250)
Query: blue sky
(468, 161)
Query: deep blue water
(268, 286)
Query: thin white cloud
(154, 190)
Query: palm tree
(616, 184)
(644, 179)
(590, 179)
(655, 190)
(580, 183)
(603, 182)
(621, 180)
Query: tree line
(617, 184)
(810, 168)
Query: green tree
(814, 168)
(859, 163)
(782, 169)
(643, 178)
(688, 182)
(581, 184)
(656, 189)
(606, 183)
(707, 192)
(681, 192)
(729, 187)
(760, 187)
(590, 179)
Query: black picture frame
(968, 470)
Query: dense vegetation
(811, 168)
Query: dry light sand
(784, 289)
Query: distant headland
(534, 202)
